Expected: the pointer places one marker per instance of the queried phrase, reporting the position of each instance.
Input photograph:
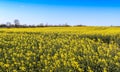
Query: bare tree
(8, 23)
(17, 22)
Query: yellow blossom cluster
(60, 49)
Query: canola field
(60, 49)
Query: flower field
(60, 49)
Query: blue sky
(73, 12)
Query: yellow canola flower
(65, 49)
(23, 68)
(6, 65)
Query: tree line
(18, 25)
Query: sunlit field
(60, 49)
